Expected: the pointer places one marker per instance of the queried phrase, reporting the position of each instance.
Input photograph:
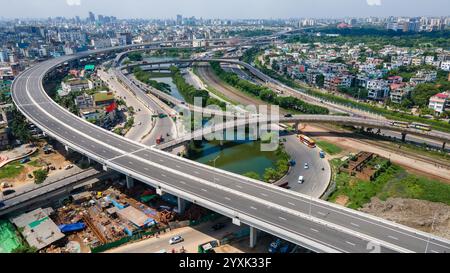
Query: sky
(227, 9)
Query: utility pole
(214, 161)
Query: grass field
(11, 170)
(329, 148)
(395, 182)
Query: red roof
(110, 108)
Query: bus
(307, 141)
(420, 126)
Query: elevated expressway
(315, 224)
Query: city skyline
(262, 9)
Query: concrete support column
(181, 205)
(130, 182)
(253, 237)
(443, 146)
(403, 137)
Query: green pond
(237, 157)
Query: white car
(176, 240)
(301, 179)
(306, 166)
(68, 167)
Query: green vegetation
(68, 101)
(329, 148)
(135, 56)
(129, 123)
(282, 166)
(36, 163)
(375, 37)
(19, 127)
(189, 92)
(394, 182)
(145, 77)
(25, 249)
(265, 94)
(40, 176)
(252, 175)
(11, 170)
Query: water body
(238, 157)
(174, 90)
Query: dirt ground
(418, 214)
(342, 200)
(56, 159)
(414, 165)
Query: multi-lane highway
(318, 225)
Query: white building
(440, 102)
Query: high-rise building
(91, 16)
(179, 20)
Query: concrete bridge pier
(403, 137)
(443, 146)
(253, 237)
(130, 182)
(181, 205)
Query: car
(2, 204)
(8, 192)
(218, 226)
(176, 240)
(288, 116)
(301, 179)
(306, 166)
(68, 167)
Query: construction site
(106, 214)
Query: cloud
(374, 2)
(73, 2)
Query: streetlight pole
(214, 160)
(310, 200)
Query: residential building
(377, 89)
(440, 102)
(73, 85)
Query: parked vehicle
(288, 116)
(8, 192)
(159, 140)
(301, 179)
(68, 167)
(2, 204)
(176, 240)
(306, 166)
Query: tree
(25, 249)
(320, 80)
(40, 176)
(135, 57)
(252, 175)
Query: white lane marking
(315, 230)
(263, 194)
(146, 169)
(227, 198)
(292, 204)
(350, 243)
(182, 182)
(284, 219)
(355, 225)
(434, 251)
(161, 160)
(240, 187)
(129, 162)
(253, 208)
(321, 213)
(204, 190)
(392, 237)
(217, 179)
(163, 175)
(178, 166)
